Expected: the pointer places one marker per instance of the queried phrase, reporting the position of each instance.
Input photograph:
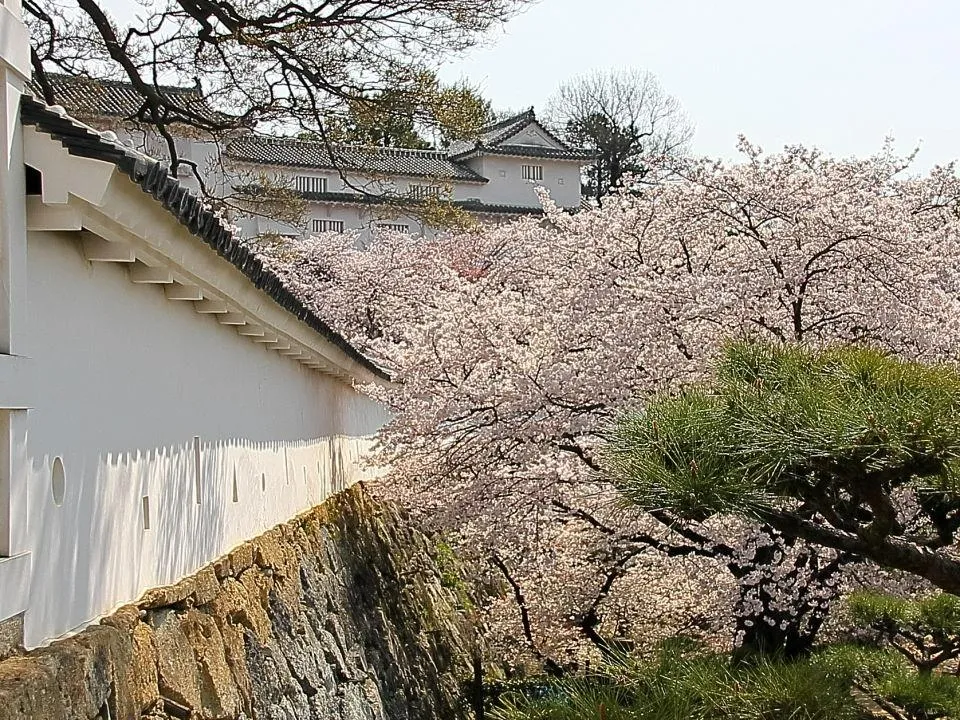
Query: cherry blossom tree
(515, 346)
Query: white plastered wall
(121, 380)
(358, 220)
(507, 186)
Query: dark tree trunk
(783, 597)
(479, 712)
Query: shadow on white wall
(132, 521)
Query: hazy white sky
(839, 74)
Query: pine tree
(848, 448)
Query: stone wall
(340, 614)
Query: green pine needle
(781, 422)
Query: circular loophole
(58, 481)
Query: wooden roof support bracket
(180, 291)
(96, 249)
(142, 273)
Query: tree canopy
(515, 346)
(272, 63)
(847, 447)
(424, 118)
(626, 117)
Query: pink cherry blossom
(514, 345)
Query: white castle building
(351, 188)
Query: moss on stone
(345, 612)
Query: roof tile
(373, 160)
(492, 137)
(93, 97)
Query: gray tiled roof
(492, 134)
(492, 137)
(373, 160)
(536, 151)
(475, 206)
(89, 97)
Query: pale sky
(838, 74)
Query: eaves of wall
(113, 219)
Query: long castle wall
(156, 438)
(340, 614)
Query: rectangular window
(396, 227)
(308, 184)
(424, 191)
(320, 226)
(184, 152)
(184, 148)
(531, 172)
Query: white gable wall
(534, 136)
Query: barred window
(396, 227)
(531, 172)
(325, 225)
(306, 183)
(424, 191)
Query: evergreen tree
(847, 448)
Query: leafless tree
(259, 62)
(623, 115)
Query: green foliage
(860, 664)
(384, 119)
(785, 422)
(921, 695)
(683, 685)
(460, 112)
(451, 574)
(395, 118)
(686, 682)
(931, 614)
(890, 681)
(673, 455)
(925, 630)
(868, 607)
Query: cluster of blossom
(514, 346)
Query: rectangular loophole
(145, 510)
(197, 468)
(5, 472)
